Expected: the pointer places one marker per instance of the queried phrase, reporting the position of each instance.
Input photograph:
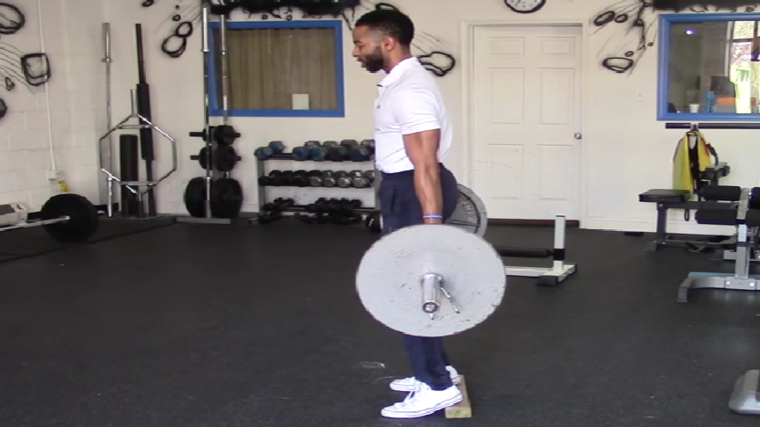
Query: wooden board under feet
(463, 408)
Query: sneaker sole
(443, 405)
(456, 380)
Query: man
(412, 137)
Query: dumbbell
(337, 154)
(370, 175)
(277, 147)
(314, 178)
(349, 143)
(274, 179)
(358, 179)
(278, 205)
(343, 179)
(273, 211)
(347, 219)
(329, 179)
(274, 147)
(301, 178)
(310, 150)
(369, 144)
(360, 154)
(288, 178)
(343, 211)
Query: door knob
(578, 135)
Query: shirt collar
(398, 71)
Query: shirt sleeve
(415, 110)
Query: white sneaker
(411, 383)
(423, 401)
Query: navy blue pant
(400, 207)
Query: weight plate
(226, 198)
(470, 213)
(203, 156)
(195, 197)
(225, 158)
(389, 276)
(83, 217)
(225, 134)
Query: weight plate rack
(290, 178)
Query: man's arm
(416, 113)
(422, 148)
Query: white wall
(65, 111)
(626, 150)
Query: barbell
(434, 280)
(431, 280)
(66, 217)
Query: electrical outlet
(53, 175)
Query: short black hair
(392, 23)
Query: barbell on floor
(65, 217)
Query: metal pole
(105, 155)
(225, 70)
(204, 38)
(560, 226)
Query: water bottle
(709, 101)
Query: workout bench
(678, 199)
(739, 208)
(552, 276)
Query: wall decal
(634, 20)
(431, 50)
(36, 68)
(11, 19)
(10, 65)
(182, 20)
(525, 6)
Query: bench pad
(664, 196)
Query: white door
(526, 120)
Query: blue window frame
(737, 85)
(337, 25)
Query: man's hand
(422, 149)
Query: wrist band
(432, 216)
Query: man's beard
(374, 62)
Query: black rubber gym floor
(33, 241)
(191, 326)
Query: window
(279, 69)
(709, 67)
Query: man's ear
(388, 43)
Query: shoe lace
(410, 398)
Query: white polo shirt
(409, 101)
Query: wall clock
(525, 6)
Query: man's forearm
(427, 184)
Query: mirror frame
(663, 72)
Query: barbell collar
(431, 285)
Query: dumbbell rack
(261, 172)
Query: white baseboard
(650, 226)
